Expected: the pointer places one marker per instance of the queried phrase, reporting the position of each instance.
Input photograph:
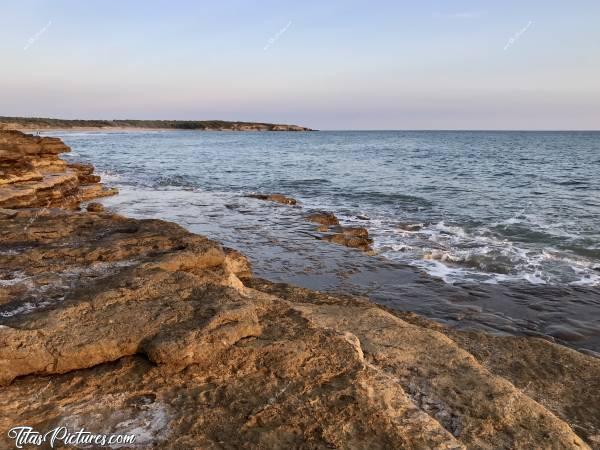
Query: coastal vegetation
(40, 123)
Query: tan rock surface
(32, 175)
(353, 237)
(323, 218)
(150, 325)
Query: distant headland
(40, 123)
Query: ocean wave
(456, 254)
(110, 177)
(526, 224)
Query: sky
(323, 64)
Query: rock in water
(278, 198)
(323, 218)
(353, 237)
(95, 207)
(412, 227)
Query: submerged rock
(412, 227)
(323, 218)
(278, 198)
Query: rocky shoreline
(121, 325)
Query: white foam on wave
(446, 251)
(109, 177)
(24, 308)
(453, 254)
(537, 223)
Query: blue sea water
(479, 206)
(496, 231)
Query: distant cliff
(38, 123)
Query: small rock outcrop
(278, 198)
(353, 237)
(323, 218)
(33, 175)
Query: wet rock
(349, 241)
(353, 237)
(323, 218)
(278, 198)
(359, 232)
(95, 207)
(412, 227)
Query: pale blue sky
(328, 65)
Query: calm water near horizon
(505, 224)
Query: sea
(488, 230)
